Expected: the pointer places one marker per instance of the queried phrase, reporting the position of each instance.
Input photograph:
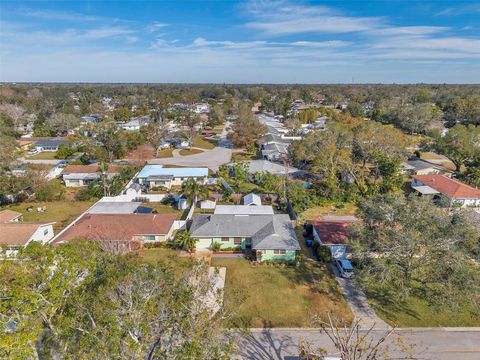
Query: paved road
(358, 302)
(435, 344)
(212, 159)
(39, 161)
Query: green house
(270, 237)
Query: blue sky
(240, 42)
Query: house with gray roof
(268, 237)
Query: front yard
(281, 296)
(44, 155)
(60, 212)
(201, 143)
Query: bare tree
(354, 343)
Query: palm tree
(184, 240)
(193, 189)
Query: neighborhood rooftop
(114, 207)
(333, 230)
(158, 170)
(117, 226)
(9, 215)
(243, 210)
(18, 233)
(451, 188)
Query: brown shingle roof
(118, 226)
(8, 215)
(88, 169)
(333, 232)
(451, 188)
(17, 233)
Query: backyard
(330, 209)
(281, 296)
(60, 212)
(200, 142)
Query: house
(333, 231)
(439, 186)
(10, 216)
(252, 199)
(49, 144)
(270, 238)
(265, 166)
(24, 144)
(15, 234)
(114, 207)
(83, 175)
(274, 151)
(120, 233)
(90, 119)
(134, 190)
(416, 166)
(157, 176)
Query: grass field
(276, 296)
(200, 142)
(61, 212)
(165, 153)
(46, 155)
(416, 312)
(186, 152)
(165, 255)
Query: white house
(158, 176)
(83, 175)
(16, 234)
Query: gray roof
(107, 207)
(50, 142)
(266, 231)
(420, 165)
(243, 210)
(252, 199)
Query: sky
(256, 41)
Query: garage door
(204, 243)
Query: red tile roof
(121, 227)
(333, 232)
(451, 188)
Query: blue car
(345, 268)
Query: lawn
(46, 155)
(165, 153)
(331, 209)
(166, 255)
(186, 152)
(200, 142)
(416, 312)
(281, 296)
(61, 212)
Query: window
(279, 252)
(149, 237)
(225, 239)
(45, 232)
(237, 241)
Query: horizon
(240, 42)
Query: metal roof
(159, 170)
(114, 207)
(243, 210)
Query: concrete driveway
(222, 154)
(358, 302)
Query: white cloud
(156, 26)
(460, 10)
(59, 15)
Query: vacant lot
(200, 142)
(416, 312)
(276, 296)
(165, 255)
(46, 155)
(60, 212)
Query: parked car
(345, 268)
(33, 152)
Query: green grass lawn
(276, 296)
(186, 152)
(166, 255)
(61, 212)
(200, 142)
(46, 155)
(165, 153)
(416, 312)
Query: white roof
(107, 207)
(425, 190)
(252, 199)
(243, 210)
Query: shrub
(216, 246)
(323, 254)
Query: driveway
(358, 302)
(429, 343)
(212, 159)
